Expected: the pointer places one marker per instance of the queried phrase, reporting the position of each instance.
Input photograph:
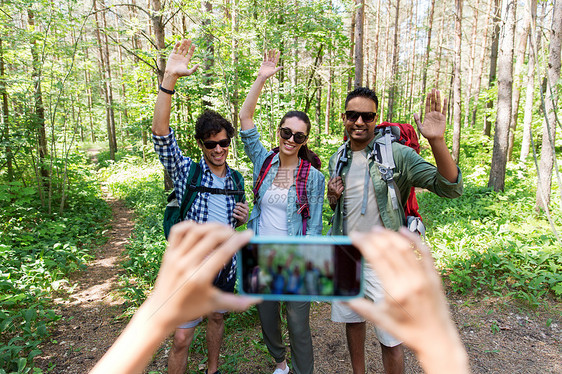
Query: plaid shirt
(177, 166)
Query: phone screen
(300, 268)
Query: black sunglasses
(353, 116)
(299, 137)
(211, 144)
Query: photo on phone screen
(300, 268)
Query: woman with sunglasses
(277, 212)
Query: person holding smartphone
(277, 211)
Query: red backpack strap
(302, 198)
(263, 172)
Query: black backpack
(175, 213)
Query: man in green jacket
(361, 199)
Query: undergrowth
(37, 253)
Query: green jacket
(411, 171)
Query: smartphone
(303, 268)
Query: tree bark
(394, 74)
(351, 48)
(209, 60)
(505, 85)
(493, 64)
(39, 117)
(479, 75)
(426, 57)
(440, 43)
(551, 101)
(530, 94)
(359, 22)
(376, 50)
(471, 62)
(6, 116)
(517, 72)
(457, 82)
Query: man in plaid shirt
(213, 134)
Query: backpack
(302, 178)
(382, 153)
(175, 213)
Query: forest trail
(88, 325)
(499, 335)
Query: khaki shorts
(374, 292)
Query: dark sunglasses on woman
(353, 116)
(299, 137)
(211, 144)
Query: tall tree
(5, 115)
(517, 72)
(426, 57)
(550, 106)
(352, 47)
(394, 72)
(479, 75)
(359, 22)
(39, 116)
(471, 62)
(493, 63)
(457, 82)
(105, 84)
(209, 59)
(530, 87)
(505, 85)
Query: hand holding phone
(300, 268)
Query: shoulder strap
(302, 198)
(238, 185)
(193, 181)
(382, 154)
(263, 172)
(341, 159)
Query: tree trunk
(493, 64)
(108, 82)
(457, 83)
(209, 60)
(505, 85)
(6, 116)
(233, 15)
(414, 33)
(351, 48)
(327, 116)
(468, 94)
(521, 48)
(394, 77)
(551, 101)
(88, 79)
(376, 50)
(39, 117)
(479, 75)
(159, 37)
(529, 94)
(440, 43)
(426, 57)
(359, 22)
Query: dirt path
(500, 336)
(88, 325)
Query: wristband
(169, 92)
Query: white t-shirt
(217, 203)
(357, 176)
(273, 217)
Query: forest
(78, 84)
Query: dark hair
(210, 123)
(304, 152)
(362, 92)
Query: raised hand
(269, 66)
(178, 61)
(435, 121)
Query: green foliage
(488, 241)
(37, 252)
